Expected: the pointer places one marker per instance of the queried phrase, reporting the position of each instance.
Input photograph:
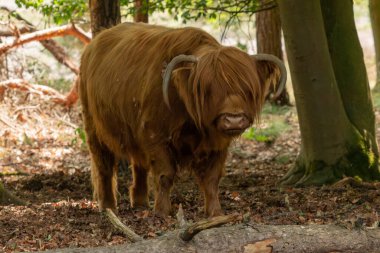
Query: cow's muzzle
(233, 124)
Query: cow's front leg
(163, 171)
(209, 172)
(138, 191)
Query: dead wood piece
(69, 29)
(72, 97)
(353, 182)
(23, 85)
(199, 226)
(244, 237)
(264, 246)
(132, 236)
(52, 46)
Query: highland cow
(167, 99)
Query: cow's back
(121, 82)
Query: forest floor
(44, 161)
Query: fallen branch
(72, 97)
(57, 51)
(132, 236)
(25, 86)
(213, 222)
(52, 46)
(254, 238)
(69, 29)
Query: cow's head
(223, 88)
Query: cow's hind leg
(138, 191)
(103, 173)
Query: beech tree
(332, 93)
(268, 37)
(374, 10)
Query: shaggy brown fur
(125, 115)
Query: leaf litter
(43, 161)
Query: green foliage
(193, 10)
(266, 134)
(79, 133)
(61, 11)
(275, 116)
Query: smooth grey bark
(325, 128)
(374, 10)
(255, 239)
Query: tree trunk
(104, 14)
(350, 73)
(331, 146)
(141, 11)
(256, 239)
(374, 10)
(268, 34)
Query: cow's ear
(269, 75)
(182, 80)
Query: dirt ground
(43, 160)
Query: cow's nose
(235, 122)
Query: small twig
(68, 123)
(199, 226)
(27, 108)
(10, 164)
(8, 124)
(17, 173)
(132, 236)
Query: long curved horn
(281, 66)
(168, 72)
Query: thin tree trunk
(331, 147)
(104, 14)
(141, 11)
(374, 10)
(268, 34)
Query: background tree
(268, 37)
(104, 14)
(141, 11)
(331, 90)
(374, 10)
